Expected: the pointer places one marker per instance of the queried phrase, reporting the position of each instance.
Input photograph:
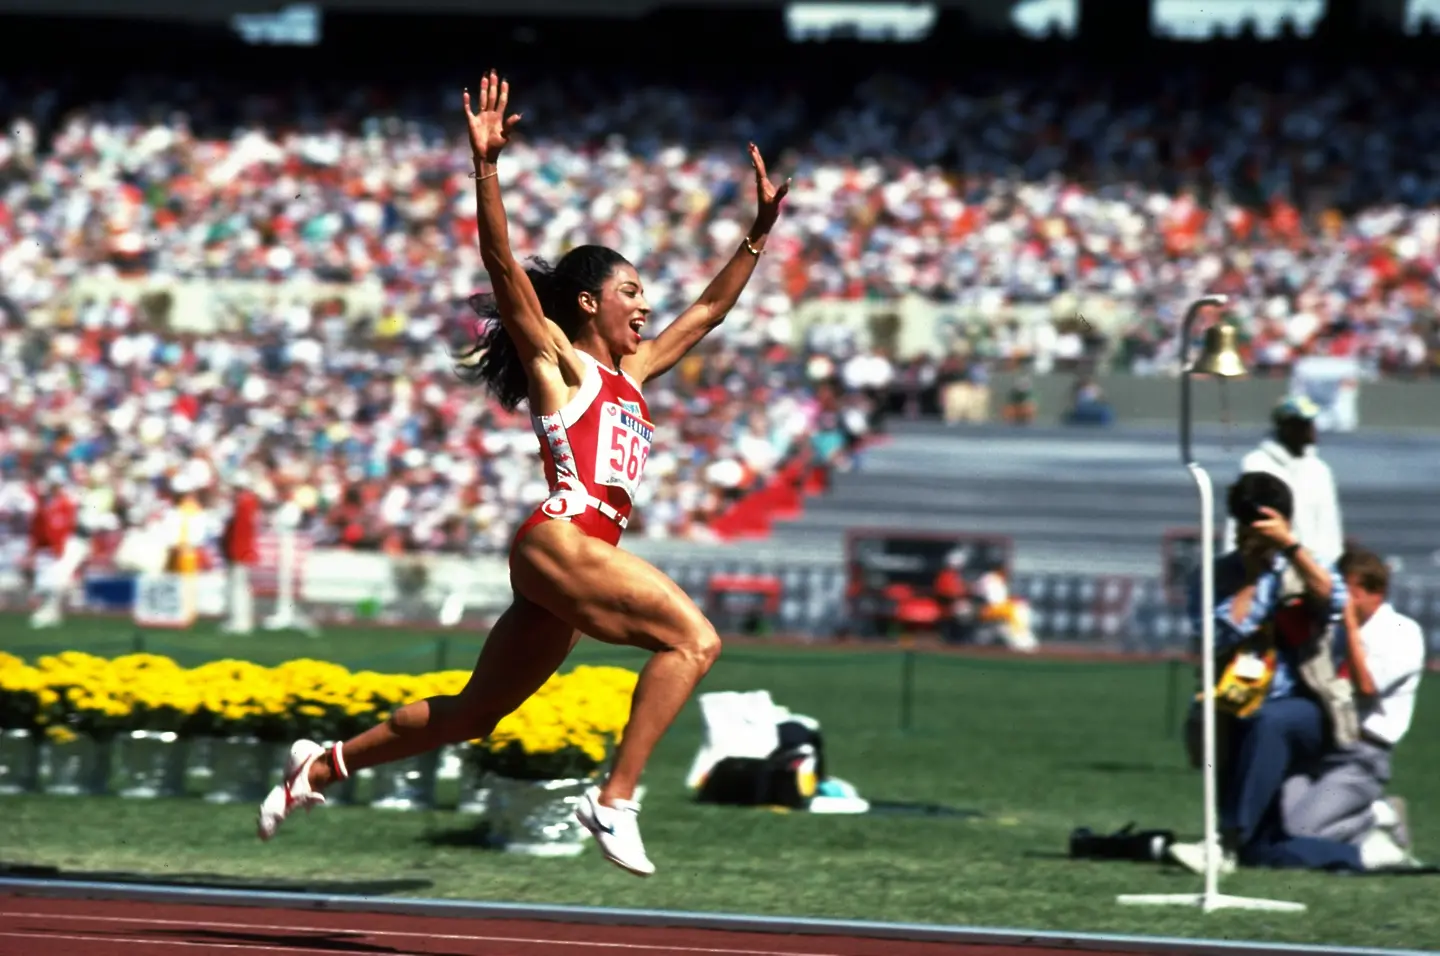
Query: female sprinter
(568, 340)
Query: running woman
(567, 339)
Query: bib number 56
(629, 454)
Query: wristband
(1289, 551)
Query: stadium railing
(761, 599)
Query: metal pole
(1172, 698)
(907, 688)
(1207, 678)
(1210, 899)
(1207, 600)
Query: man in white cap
(1290, 454)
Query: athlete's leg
(618, 598)
(524, 648)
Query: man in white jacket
(1290, 454)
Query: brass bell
(1219, 356)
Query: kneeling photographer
(1343, 796)
(1277, 610)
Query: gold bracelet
(477, 177)
(750, 247)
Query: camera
(1124, 844)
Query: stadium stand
(1300, 192)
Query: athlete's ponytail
(488, 355)
(490, 358)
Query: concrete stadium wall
(1400, 405)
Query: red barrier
(781, 497)
(765, 586)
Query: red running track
(31, 926)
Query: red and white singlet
(594, 450)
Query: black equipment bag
(786, 778)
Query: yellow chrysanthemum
(567, 726)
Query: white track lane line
(202, 924)
(104, 941)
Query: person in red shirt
(239, 545)
(53, 520)
(62, 534)
(953, 594)
(52, 531)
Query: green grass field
(1038, 747)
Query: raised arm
(658, 355)
(1323, 584)
(536, 338)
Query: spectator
(1020, 403)
(240, 550)
(904, 192)
(1088, 405)
(1291, 454)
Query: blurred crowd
(376, 444)
(1313, 200)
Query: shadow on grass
(480, 837)
(903, 808)
(1057, 855)
(477, 836)
(1120, 767)
(215, 881)
(1045, 855)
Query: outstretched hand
(767, 195)
(490, 128)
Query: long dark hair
(490, 358)
(1255, 490)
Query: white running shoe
(1391, 816)
(1379, 851)
(293, 791)
(617, 830)
(1192, 857)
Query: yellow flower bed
(565, 729)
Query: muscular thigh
(524, 648)
(607, 593)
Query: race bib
(623, 449)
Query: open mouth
(636, 325)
